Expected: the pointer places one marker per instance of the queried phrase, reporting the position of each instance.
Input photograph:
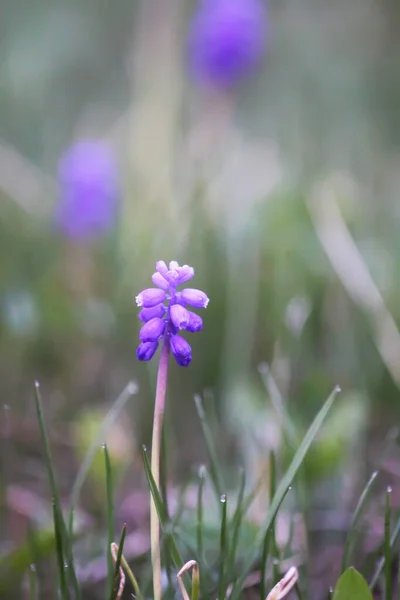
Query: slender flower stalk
(163, 323)
(158, 420)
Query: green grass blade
(110, 519)
(350, 541)
(214, 468)
(107, 422)
(223, 548)
(132, 578)
(165, 523)
(283, 488)
(199, 523)
(65, 539)
(388, 549)
(236, 522)
(393, 539)
(60, 554)
(297, 589)
(32, 582)
(117, 566)
(269, 540)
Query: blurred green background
(283, 193)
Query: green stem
(159, 407)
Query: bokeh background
(278, 181)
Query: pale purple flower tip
(146, 350)
(150, 297)
(226, 40)
(152, 330)
(179, 316)
(89, 190)
(160, 281)
(149, 313)
(181, 350)
(195, 298)
(195, 322)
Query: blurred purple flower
(89, 190)
(226, 40)
(162, 321)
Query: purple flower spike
(89, 190)
(195, 298)
(149, 313)
(195, 322)
(152, 330)
(179, 316)
(226, 40)
(181, 350)
(165, 320)
(146, 350)
(150, 297)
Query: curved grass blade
(65, 538)
(214, 468)
(223, 548)
(350, 541)
(283, 488)
(110, 519)
(107, 422)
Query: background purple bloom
(226, 40)
(89, 193)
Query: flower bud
(160, 281)
(152, 330)
(181, 350)
(195, 322)
(149, 313)
(179, 316)
(146, 350)
(150, 297)
(195, 298)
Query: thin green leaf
(65, 538)
(107, 422)
(223, 548)
(350, 541)
(283, 488)
(110, 519)
(387, 545)
(236, 522)
(214, 468)
(132, 578)
(352, 586)
(199, 523)
(165, 523)
(269, 540)
(382, 562)
(60, 554)
(32, 582)
(114, 591)
(297, 589)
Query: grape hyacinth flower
(226, 40)
(164, 314)
(89, 190)
(164, 321)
